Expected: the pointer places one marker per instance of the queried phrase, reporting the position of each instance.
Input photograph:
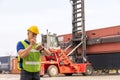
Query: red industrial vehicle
(59, 62)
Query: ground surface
(62, 77)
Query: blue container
(5, 63)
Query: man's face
(31, 35)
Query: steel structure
(78, 29)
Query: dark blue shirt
(20, 45)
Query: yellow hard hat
(33, 29)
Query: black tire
(52, 71)
(89, 70)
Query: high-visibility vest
(32, 61)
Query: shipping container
(5, 64)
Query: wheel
(89, 70)
(52, 71)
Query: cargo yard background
(14, 30)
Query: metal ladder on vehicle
(78, 27)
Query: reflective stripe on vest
(32, 63)
(33, 50)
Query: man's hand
(39, 47)
(32, 41)
(43, 50)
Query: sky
(55, 15)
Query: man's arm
(24, 52)
(46, 52)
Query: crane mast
(78, 28)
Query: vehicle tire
(52, 71)
(89, 70)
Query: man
(29, 55)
